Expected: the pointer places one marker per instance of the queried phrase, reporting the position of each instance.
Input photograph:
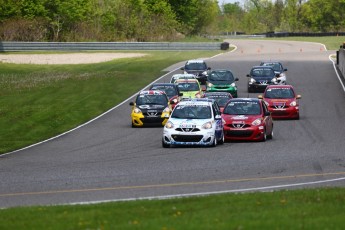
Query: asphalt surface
(108, 160)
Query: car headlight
(274, 80)
(204, 73)
(252, 80)
(136, 110)
(233, 84)
(207, 125)
(166, 110)
(169, 125)
(209, 84)
(257, 122)
(294, 103)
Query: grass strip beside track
(299, 209)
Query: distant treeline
(161, 20)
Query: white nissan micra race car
(194, 122)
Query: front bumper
(291, 112)
(139, 120)
(179, 136)
(248, 132)
(231, 90)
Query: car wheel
(164, 145)
(215, 142)
(264, 138)
(271, 135)
(221, 140)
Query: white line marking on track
(208, 193)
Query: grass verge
(299, 209)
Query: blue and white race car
(194, 122)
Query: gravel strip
(69, 58)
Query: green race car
(221, 81)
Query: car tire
(264, 138)
(215, 142)
(271, 135)
(164, 145)
(221, 140)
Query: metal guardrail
(34, 46)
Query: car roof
(163, 84)
(186, 80)
(195, 61)
(197, 101)
(217, 94)
(262, 67)
(280, 86)
(245, 99)
(183, 75)
(152, 92)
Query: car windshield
(279, 93)
(220, 100)
(263, 72)
(225, 76)
(195, 66)
(188, 86)
(275, 66)
(149, 99)
(169, 90)
(192, 112)
(242, 108)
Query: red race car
(247, 119)
(281, 101)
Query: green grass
(41, 101)
(299, 209)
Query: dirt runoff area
(65, 58)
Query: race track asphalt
(108, 160)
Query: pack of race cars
(201, 106)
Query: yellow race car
(151, 108)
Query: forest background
(162, 20)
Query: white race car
(194, 122)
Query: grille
(187, 129)
(187, 138)
(238, 125)
(239, 133)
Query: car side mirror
(267, 113)
(260, 97)
(236, 79)
(208, 68)
(285, 69)
(131, 103)
(182, 68)
(180, 94)
(248, 75)
(298, 97)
